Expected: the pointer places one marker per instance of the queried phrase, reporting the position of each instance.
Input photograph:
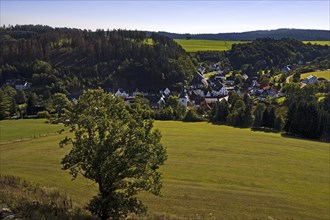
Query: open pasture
(207, 45)
(211, 171)
(319, 74)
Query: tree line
(302, 114)
(298, 34)
(66, 60)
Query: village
(203, 91)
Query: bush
(43, 114)
(34, 202)
(192, 116)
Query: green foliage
(60, 102)
(258, 114)
(29, 201)
(116, 149)
(220, 112)
(192, 116)
(67, 60)
(4, 105)
(43, 114)
(306, 116)
(270, 53)
(173, 110)
(21, 97)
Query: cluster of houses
(202, 92)
(205, 92)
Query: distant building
(286, 69)
(23, 86)
(310, 80)
(184, 98)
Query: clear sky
(170, 15)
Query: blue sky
(170, 15)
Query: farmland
(211, 170)
(318, 42)
(14, 130)
(207, 45)
(319, 74)
(218, 45)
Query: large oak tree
(116, 148)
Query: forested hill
(298, 34)
(66, 60)
(269, 53)
(69, 60)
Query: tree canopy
(118, 150)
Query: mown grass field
(211, 171)
(319, 74)
(219, 45)
(207, 45)
(318, 42)
(24, 129)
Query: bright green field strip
(229, 172)
(319, 74)
(11, 130)
(207, 45)
(208, 75)
(318, 42)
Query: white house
(184, 99)
(24, 86)
(167, 92)
(310, 80)
(122, 94)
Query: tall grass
(30, 201)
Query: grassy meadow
(207, 45)
(319, 74)
(13, 130)
(219, 45)
(212, 172)
(318, 42)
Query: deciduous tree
(118, 150)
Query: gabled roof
(217, 85)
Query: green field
(207, 45)
(212, 171)
(318, 42)
(219, 45)
(24, 129)
(319, 74)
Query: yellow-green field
(319, 74)
(219, 45)
(211, 171)
(318, 42)
(14, 130)
(207, 45)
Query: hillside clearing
(207, 45)
(318, 42)
(319, 74)
(229, 172)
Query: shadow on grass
(287, 135)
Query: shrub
(192, 116)
(34, 202)
(43, 114)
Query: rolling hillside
(211, 172)
(298, 34)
